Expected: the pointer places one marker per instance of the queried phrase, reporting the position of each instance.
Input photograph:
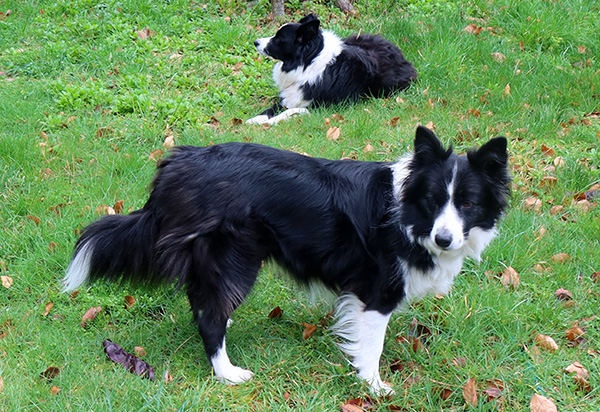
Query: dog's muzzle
(261, 44)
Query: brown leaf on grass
(368, 148)
(583, 384)
(561, 257)
(3, 266)
(393, 121)
(548, 151)
(574, 333)
(50, 373)
(578, 369)
(48, 308)
(103, 132)
(90, 315)
(333, 133)
(473, 29)
(337, 117)
(7, 281)
(145, 33)
(583, 206)
(139, 351)
(357, 405)
(156, 155)
(1, 385)
(54, 390)
(275, 313)
(556, 210)
(507, 89)
(130, 362)
(118, 207)
(532, 204)
(510, 278)
(548, 182)
(104, 210)
(169, 142)
(470, 392)
(596, 276)
(34, 219)
(563, 294)
(167, 377)
(546, 342)
(129, 301)
(494, 389)
(540, 403)
(308, 331)
(499, 57)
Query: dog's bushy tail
(115, 247)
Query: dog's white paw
(380, 388)
(260, 119)
(234, 375)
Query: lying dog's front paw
(234, 375)
(260, 119)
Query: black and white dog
(380, 234)
(316, 67)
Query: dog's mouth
(261, 45)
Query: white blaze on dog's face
(448, 228)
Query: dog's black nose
(443, 239)
(256, 43)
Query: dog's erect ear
(307, 18)
(428, 148)
(491, 157)
(309, 28)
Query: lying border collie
(380, 234)
(316, 67)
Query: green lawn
(89, 93)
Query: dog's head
(290, 39)
(450, 203)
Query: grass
(86, 95)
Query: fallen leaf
(357, 405)
(145, 33)
(337, 117)
(499, 57)
(393, 121)
(563, 294)
(156, 155)
(34, 219)
(561, 257)
(129, 301)
(473, 29)
(118, 207)
(548, 182)
(309, 329)
(546, 342)
(275, 313)
(104, 210)
(48, 308)
(7, 281)
(532, 204)
(556, 210)
(169, 142)
(583, 205)
(581, 49)
(1, 385)
(333, 133)
(573, 333)
(559, 161)
(548, 151)
(139, 351)
(130, 362)
(583, 384)
(54, 390)
(578, 369)
(168, 378)
(540, 403)
(507, 89)
(510, 278)
(470, 392)
(90, 315)
(50, 373)
(368, 148)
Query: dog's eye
(467, 205)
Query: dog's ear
(309, 28)
(491, 157)
(428, 148)
(307, 18)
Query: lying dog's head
(291, 39)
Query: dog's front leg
(265, 116)
(363, 332)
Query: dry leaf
(168, 378)
(309, 329)
(156, 155)
(510, 278)
(34, 219)
(540, 403)
(507, 89)
(563, 294)
(583, 205)
(118, 207)
(578, 369)
(393, 121)
(581, 49)
(556, 210)
(368, 148)
(90, 315)
(54, 390)
(574, 333)
(50, 373)
(48, 308)
(7, 281)
(499, 57)
(470, 392)
(139, 351)
(532, 204)
(333, 133)
(1, 385)
(546, 342)
(275, 313)
(129, 301)
(169, 142)
(104, 210)
(145, 33)
(473, 29)
(561, 257)
(548, 182)
(548, 151)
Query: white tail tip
(79, 269)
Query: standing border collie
(380, 234)
(316, 67)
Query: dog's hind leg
(363, 334)
(214, 294)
